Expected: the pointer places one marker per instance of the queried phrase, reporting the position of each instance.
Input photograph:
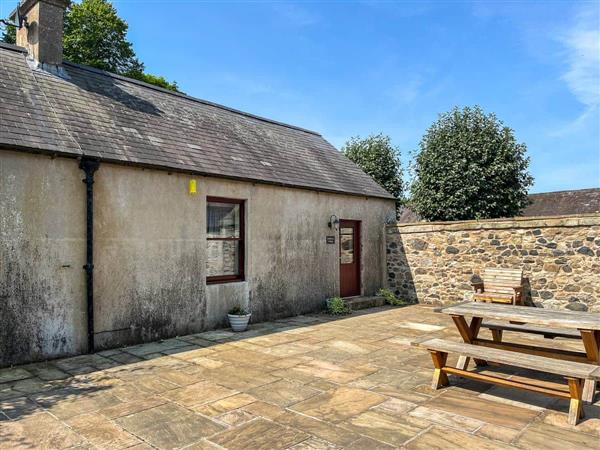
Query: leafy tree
(9, 35)
(377, 157)
(153, 79)
(470, 166)
(96, 36)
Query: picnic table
(550, 323)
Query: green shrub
(337, 306)
(390, 297)
(470, 166)
(237, 310)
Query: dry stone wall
(560, 257)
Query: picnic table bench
(575, 373)
(549, 333)
(581, 369)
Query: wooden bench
(574, 372)
(500, 286)
(549, 333)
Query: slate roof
(88, 112)
(558, 203)
(562, 203)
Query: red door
(349, 258)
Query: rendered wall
(42, 252)
(150, 254)
(148, 257)
(560, 257)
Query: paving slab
(339, 405)
(283, 392)
(198, 393)
(259, 433)
(505, 415)
(47, 372)
(313, 444)
(132, 407)
(13, 374)
(323, 430)
(391, 429)
(449, 439)
(313, 382)
(101, 432)
(237, 417)
(548, 437)
(225, 405)
(17, 407)
(169, 426)
(40, 430)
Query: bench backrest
(502, 281)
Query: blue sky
(346, 68)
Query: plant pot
(239, 323)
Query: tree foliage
(470, 166)
(9, 35)
(96, 36)
(154, 79)
(377, 157)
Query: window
(225, 240)
(346, 245)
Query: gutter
(188, 171)
(89, 166)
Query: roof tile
(92, 113)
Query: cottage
(187, 208)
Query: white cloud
(581, 124)
(581, 50)
(582, 45)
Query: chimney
(43, 35)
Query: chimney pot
(43, 36)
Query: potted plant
(239, 318)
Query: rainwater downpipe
(89, 166)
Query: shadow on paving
(293, 374)
(55, 385)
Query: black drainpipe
(89, 166)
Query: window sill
(225, 281)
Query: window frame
(214, 279)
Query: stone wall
(560, 256)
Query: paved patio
(309, 382)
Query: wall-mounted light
(333, 222)
(192, 187)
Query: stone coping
(578, 220)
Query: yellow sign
(192, 187)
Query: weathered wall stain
(41, 253)
(174, 305)
(150, 254)
(150, 263)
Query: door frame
(357, 225)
